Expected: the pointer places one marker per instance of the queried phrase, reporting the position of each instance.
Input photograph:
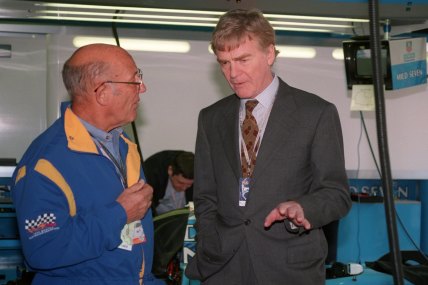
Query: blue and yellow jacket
(70, 224)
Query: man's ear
(271, 54)
(102, 95)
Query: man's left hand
(290, 210)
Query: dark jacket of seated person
(170, 173)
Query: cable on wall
(370, 144)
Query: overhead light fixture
(128, 21)
(337, 54)
(177, 17)
(303, 29)
(132, 16)
(125, 8)
(316, 18)
(151, 45)
(279, 23)
(296, 52)
(198, 12)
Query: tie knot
(250, 105)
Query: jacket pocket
(314, 248)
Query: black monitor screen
(364, 64)
(358, 63)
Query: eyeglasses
(138, 83)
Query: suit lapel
(229, 131)
(278, 128)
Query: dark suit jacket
(300, 158)
(156, 172)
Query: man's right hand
(136, 200)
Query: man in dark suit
(262, 223)
(170, 173)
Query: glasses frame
(138, 83)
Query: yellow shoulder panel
(46, 168)
(21, 173)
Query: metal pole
(378, 82)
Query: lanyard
(120, 167)
(255, 150)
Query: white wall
(22, 93)
(179, 85)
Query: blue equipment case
(11, 259)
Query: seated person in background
(170, 173)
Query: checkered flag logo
(42, 222)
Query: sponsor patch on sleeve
(42, 225)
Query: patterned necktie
(249, 134)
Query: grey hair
(77, 78)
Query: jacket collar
(78, 137)
(80, 140)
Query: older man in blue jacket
(82, 204)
